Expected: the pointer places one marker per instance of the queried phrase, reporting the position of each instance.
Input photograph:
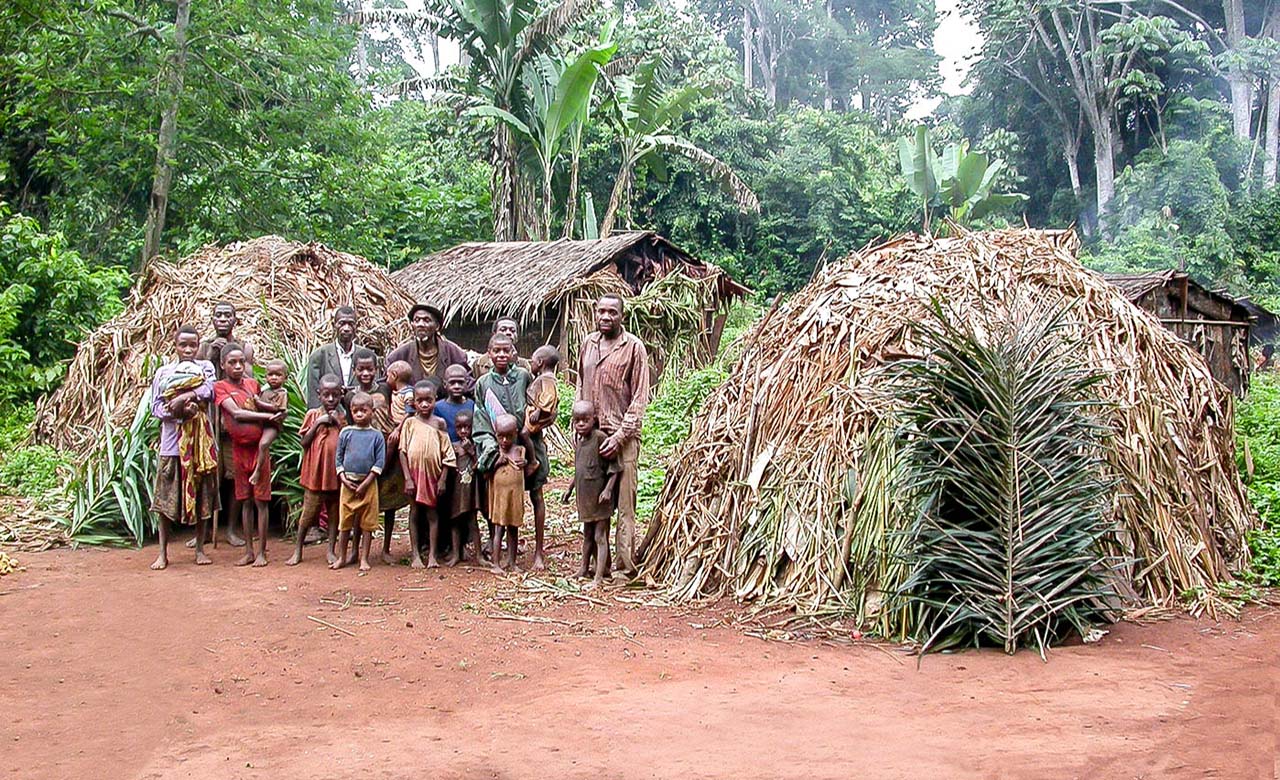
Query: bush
(49, 297)
(1258, 443)
(33, 472)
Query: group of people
(453, 439)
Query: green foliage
(34, 471)
(15, 425)
(1005, 453)
(958, 180)
(1254, 226)
(1258, 445)
(49, 296)
(111, 490)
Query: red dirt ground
(113, 671)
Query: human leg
(269, 435)
(264, 515)
(513, 538)
(588, 546)
(539, 527)
(627, 485)
(310, 511)
(415, 520)
(495, 549)
(388, 526)
(162, 559)
(433, 536)
(601, 536)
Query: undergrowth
(1258, 446)
(26, 470)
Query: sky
(956, 41)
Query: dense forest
(760, 134)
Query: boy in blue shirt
(455, 384)
(362, 452)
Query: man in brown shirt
(613, 374)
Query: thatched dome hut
(758, 502)
(678, 302)
(285, 293)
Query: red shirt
(320, 460)
(242, 394)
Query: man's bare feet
(352, 558)
(261, 560)
(202, 559)
(294, 560)
(331, 557)
(497, 569)
(364, 566)
(538, 563)
(245, 559)
(417, 563)
(161, 562)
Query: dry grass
(787, 492)
(285, 293)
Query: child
(595, 479)
(359, 460)
(501, 391)
(425, 456)
(400, 387)
(462, 491)
(319, 472)
(272, 400)
(506, 492)
(186, 488)
(455, 384)
(542, 402)
(234, 395)
(364, 375)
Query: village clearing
(113, 671)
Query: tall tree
(167, 141)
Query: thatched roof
(482, 280)
(757, 502)
(284, 292)
(1135, 286)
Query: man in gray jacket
(335, 358)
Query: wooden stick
(535, 619)
(327, 624)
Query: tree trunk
(1104, 164)
(748, 41)
(1272, 148)
(571, 208)
(362, 57)
(615, 199)
(167, 142)
(433, 41)
(503, 184)
(1237, 79)
(767, 53)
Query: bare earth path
(112, 671)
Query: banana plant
(559, 97)
(646, 115)
(960, 180)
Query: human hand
(610, 446)
(606, 496)
(350, 481)
(277, 418)
(218, 343)
(190, 408)
(409, 486)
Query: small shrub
(33, 471)
(1258, 455)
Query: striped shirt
(614, 375)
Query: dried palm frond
(768, 499)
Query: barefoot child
(502, 390)
(273, 399)
(319, 472)
(234, 395)
(361, 454)
(364, 375)
(448, 409)
(595, 479)
(461, 492)
(186, 489)
(506, 491)
(426, 456)
(542, 402)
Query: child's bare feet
(388, 559)
(294, 560)
(245, 559)
(202, 559)
(161, 562)
(497, 569)
(432, 563)
(331, 557)
(452, 560)
(261, 560)
(417, 562)
(352, 558)
(338, 563)
(538, 563)
(364, 566)
(234, 539)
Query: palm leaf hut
(759, 502)
(675, 302)
(285, 293)
(1212, 323)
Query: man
(336, 358)
(503, 326)
(224, 319)
(613, 374)
(429, 353)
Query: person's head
(545, 358)
(224, 319)
(462, 426)
(502, 352)
(609, 314)
(584, 417)
(186, 342)
(508, 327)
(330, 392)
(424, 399)
(277, 372)
(344, 325)
(364, 366)
(361, 407)
(505, 428)
(233, 361)
(399, 374)
(425, 321)
(455, 381)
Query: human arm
(211, 348)
(311, 425)
(159, 406)
(543, 405)
(233, 410)
(610, 487)
(448, 461)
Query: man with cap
(428, 353)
